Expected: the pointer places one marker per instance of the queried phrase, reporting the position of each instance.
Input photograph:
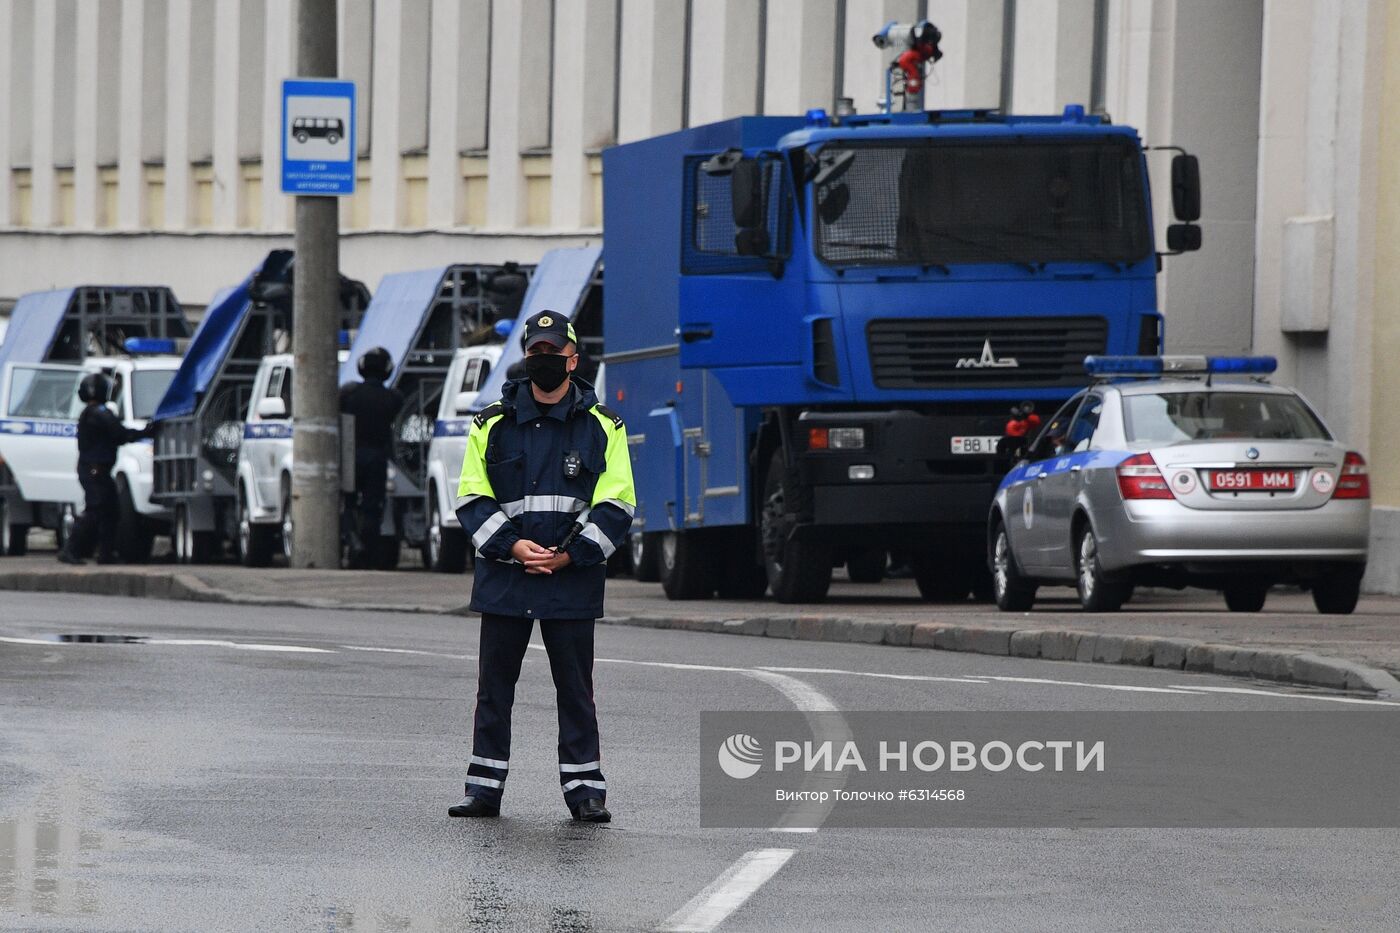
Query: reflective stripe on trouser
(582, 778)
(570, 647)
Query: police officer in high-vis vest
(546, 497)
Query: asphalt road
(1370, 636)
(216, 785)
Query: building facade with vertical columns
(139, 140)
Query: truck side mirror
(462, 404)
(271, 408)
(1186, 188)
(1183, 238)
(746, 193)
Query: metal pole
(315, 319)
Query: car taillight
(1139, 478)
(1355, 482)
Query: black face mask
(547, 370)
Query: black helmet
(95, 387)
(376, 363)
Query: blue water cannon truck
(816, 327)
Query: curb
(1049, 644)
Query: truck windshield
(147, 389)
(940, 203)
(1175, 417)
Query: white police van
(39, 411)
(445, 545)
(264, 487)
(265, 466)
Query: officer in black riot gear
(374, 406)
(100, 433)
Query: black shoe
(66, 557)
(471, 806)
(592, 811)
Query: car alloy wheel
(1009, 590)
(1098, 591)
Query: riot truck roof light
(139, 345)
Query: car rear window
(1174, 417)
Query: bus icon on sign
(331, 129)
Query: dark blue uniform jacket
(516, 484)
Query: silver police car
(1163, 473)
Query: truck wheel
(620, 563)
(445, 549)
(6, 531)
(67, 521)
(254, 540)
(684, 564)
(191, 547)
(1337, 592)
(741, 576)
(1013, 593)
(798, 569)
(1246, 597)
(386, 553)
(1099, 590)
(942, 579)
(134, 536)
(867, 566)
(645, 547)
(19, 540)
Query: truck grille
(909, 353)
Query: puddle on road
(95, 639)
(40, 861)
(487, 908)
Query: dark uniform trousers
(569, 643)
(371, 476)
(97, 526)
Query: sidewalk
(1289, 641)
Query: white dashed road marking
(729, 891)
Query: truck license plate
(976, 445)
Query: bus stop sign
(318, 137)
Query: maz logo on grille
(988, 360)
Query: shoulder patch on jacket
(487, 413)
(608, 413)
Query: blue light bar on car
(342, 340)
(1251, 365)
(1163, 365)
(1123, 365)
(136, 345)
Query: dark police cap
(548, 326)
